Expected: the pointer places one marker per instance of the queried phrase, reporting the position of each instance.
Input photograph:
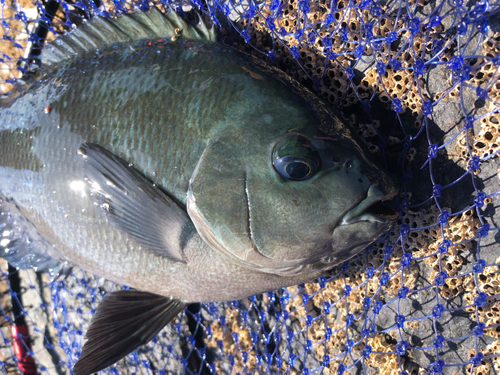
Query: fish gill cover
(420, 82)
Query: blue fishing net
(419, 80)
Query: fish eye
(294, 160)
(295, 168)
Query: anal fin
(134, 205)
(124, 320)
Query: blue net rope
(420, 82)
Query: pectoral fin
(134, 205)
(125, 320)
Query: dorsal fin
(101, 32)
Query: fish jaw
(352, 238)
(351, 234)
(361, 212)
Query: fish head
(294, 192)
(299, 203)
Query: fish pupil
(293, 159)
(297, 169)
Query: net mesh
(419, 80)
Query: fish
(148, 152)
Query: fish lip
(358, 213)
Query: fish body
(161, 127)
(182, 168)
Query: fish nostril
(336, 159)
(347, 163)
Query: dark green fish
(151, 155)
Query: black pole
(34, 48)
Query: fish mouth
(371, 209)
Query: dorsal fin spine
(101, 32)
(80, 37)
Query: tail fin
(125, 320)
